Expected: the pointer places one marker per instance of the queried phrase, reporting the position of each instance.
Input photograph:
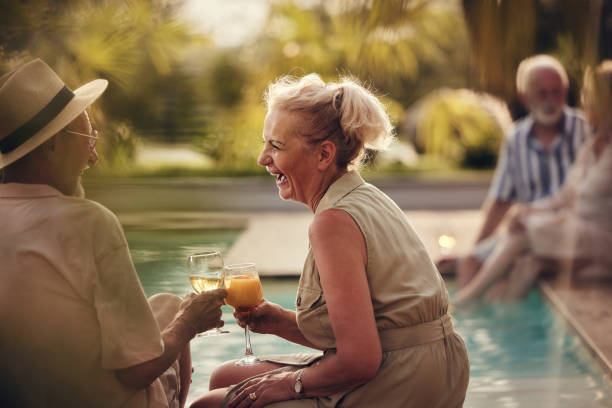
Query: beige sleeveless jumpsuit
(424, 362)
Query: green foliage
(504, 32)
(226, 81)
(455, 128)
(117, 147)
(139, 45)
(234, 140)
(168, 83)
(401, 49)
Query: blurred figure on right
(535, 160)
(573, 227)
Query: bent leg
(494, 267)
(522, 277)
(164, 307)
(229, 373)
(467, 268)
(211, 399)
(497, 291)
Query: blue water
(521, 354)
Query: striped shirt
(526, 171)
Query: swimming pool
(521, 354)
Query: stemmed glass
(243, 293)
(206, 273)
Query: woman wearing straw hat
(77, 330)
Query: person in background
(77, 330)
(535, 159)
(377, 309)
(573, 227)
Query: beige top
(579, 224)
(424, 362)
(405, 286)
(71, 306)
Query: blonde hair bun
(346, 113)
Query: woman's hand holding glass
(265, 318)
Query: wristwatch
(299, 387)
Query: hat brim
(83, 97)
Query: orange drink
(243, 291)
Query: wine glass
(206, 273)
(243, 293)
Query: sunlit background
(185, 102)
(186, 77)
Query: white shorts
(483, 249)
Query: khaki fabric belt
(404, 337)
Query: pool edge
(551, 295)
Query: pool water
(524, 355)
(160, 257)
(521, 354)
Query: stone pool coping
(587, 307)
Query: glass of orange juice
(243, 293)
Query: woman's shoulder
(328, 222)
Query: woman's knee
(229, 373)
(210, 399)
(225, 375)
(516, 243)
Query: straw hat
(35, 104)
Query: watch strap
(299, 386)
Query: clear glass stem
(249, 358)
(247, 338)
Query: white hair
(530, 65)
(346, 113)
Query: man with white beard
(536, 157)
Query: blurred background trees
(445, 68)
(502, 33)
(139, 46)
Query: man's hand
(197, 313)
(202, 312)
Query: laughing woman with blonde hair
(369, 296)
